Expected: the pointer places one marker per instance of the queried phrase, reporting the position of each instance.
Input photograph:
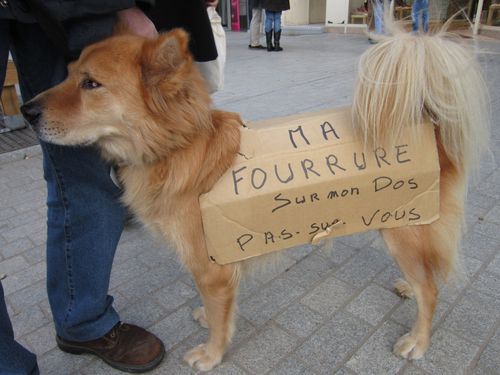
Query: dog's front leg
(217, 285)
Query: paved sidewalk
(320, 312)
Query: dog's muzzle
(32, 112)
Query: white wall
(317, 11)
(298, 13)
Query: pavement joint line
(484, 345)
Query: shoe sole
(135, 369)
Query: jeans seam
(67, 239)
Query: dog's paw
(200, 316)
(403, 288)
(411, 347)
(201, 359)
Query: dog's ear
(164, 57)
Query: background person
(255, 24)
(274, 8)
(420, 8)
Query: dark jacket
(254, 4)
(276, 5)
(70, 24)
(63, 10)
(192, 16)
(74, 24)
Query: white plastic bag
(213, 71)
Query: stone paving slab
(321, 310)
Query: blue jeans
(14, 358)
(84, 216)
(273, 21)
(420, 7)
(378, 13)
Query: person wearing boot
(255, 23)
(274, 8)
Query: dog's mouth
(60, 136)
(50, 131)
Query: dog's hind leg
(408, 245)
(426, 251)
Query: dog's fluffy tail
(407, 79)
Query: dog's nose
(32, 111)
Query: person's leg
(277, 31)
(425, 15)
(269, 21)
(269, 30)
(378, 12)
(14, 358)
(277, 21)
(415, 16)
(85, 221)
(84, 217)
(255, 27)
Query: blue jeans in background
(84, 216)
(420, 7)
(273, 21)
(378, 13)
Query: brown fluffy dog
(145, 106)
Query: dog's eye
(88, 84)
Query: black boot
(269, 41)
(277, 36)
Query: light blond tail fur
(406, 79)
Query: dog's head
(137, 99)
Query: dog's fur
(145, 106)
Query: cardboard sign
(303, 178)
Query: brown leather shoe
(126, 347)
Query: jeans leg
(84, 216)
(378, 12)
(415, 16)
(269, 21)
(277, 22)
(425, 16)
(14, 358)
(85, 221)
